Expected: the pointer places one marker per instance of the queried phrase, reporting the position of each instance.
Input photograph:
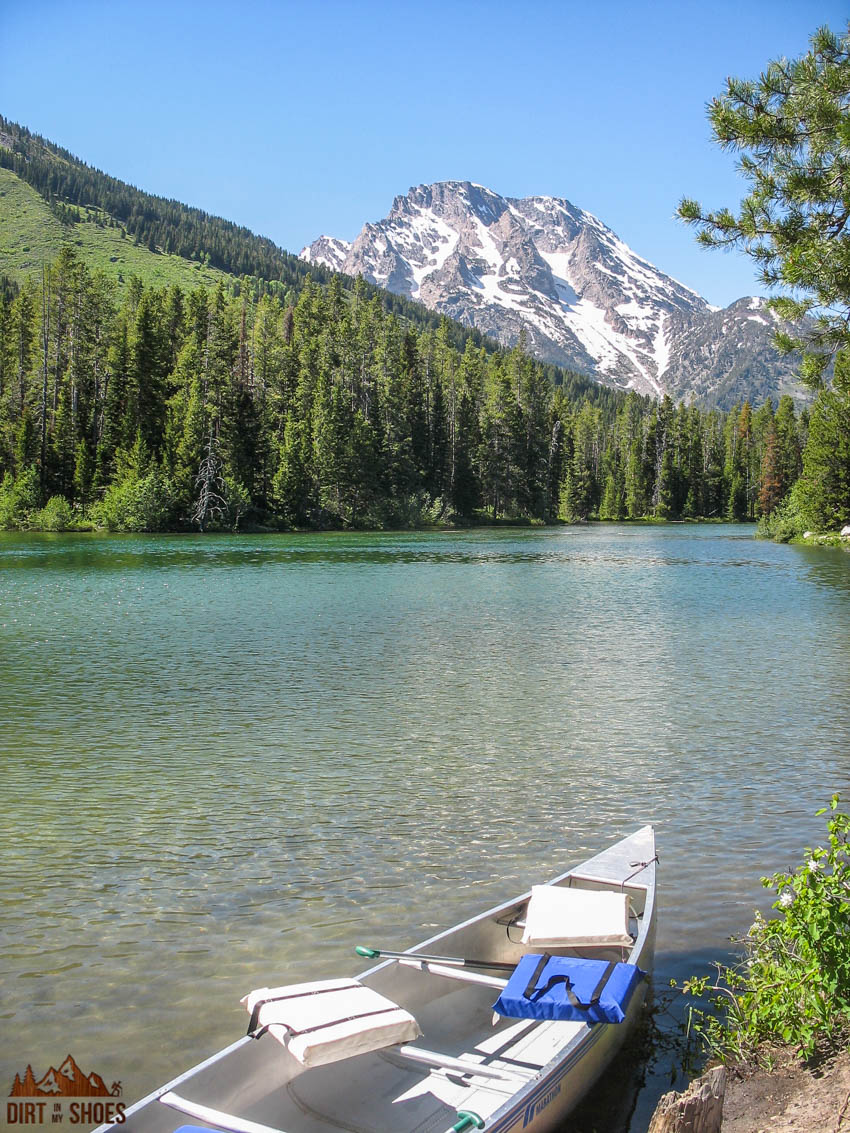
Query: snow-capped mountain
(583, 297)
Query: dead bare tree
(211, 502)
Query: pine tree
(499, 428)
(189, 426)
(715, 487)
(331, 426)
(693, 463)
(789, 445)
(146, 388)
(397, 463)
(632, 431)
(464, 491)
(791, 127)
(533, 396)
(292, 484)
(770, 485)
(734, 470)
(824, 487)
(581, 491)
(114, 415)
(664, 493)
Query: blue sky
(297, 119)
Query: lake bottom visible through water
(229, 760)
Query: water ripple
(228, 760)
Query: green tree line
(76, 192)
(169, 410)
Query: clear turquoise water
(228, 760)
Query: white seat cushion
(576, 917)
(328, 1020)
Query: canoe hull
(547, 1067)
(570, 1078)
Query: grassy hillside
(165, 240)
(32, 235)
(49, 198)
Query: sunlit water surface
(228, 760)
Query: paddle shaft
(457, 961)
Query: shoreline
(790, 1097)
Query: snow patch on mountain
(328, 251)
(583, 297)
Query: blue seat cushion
(566, 987)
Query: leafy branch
(792, 983)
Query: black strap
(533, 993)
(255, 1014)
(603, 980)
(532, 983)
(258, 1034)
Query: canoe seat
(217, 1117)
(560, 917)
(327, 1020)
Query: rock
(698, 1110)
(845, 532)
(808, 534)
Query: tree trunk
(698, 1110)
(45, 342)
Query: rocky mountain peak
(584, 299)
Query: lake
(228, 760)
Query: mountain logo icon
(67, 1082)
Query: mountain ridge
(125, 231)
(542, 267)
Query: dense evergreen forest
(169, 410)
(293, 398)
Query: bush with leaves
(792, 986)
(786, 521)
(56, 515)
(144, 503)
(19, 498)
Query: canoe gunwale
(523, 1106)
(534, 1103)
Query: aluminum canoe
(531, 1073)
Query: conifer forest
(153, 410)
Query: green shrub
(786, 521)
(792, 985)
(136, 503)
(19, 498)
(56, 515)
